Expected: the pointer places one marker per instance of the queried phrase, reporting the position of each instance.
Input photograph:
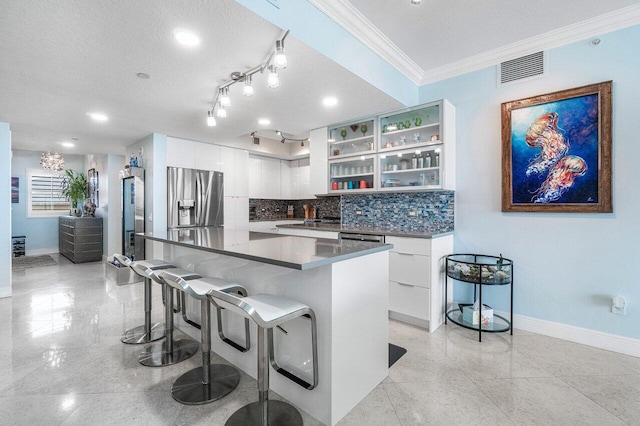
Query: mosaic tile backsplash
(277, 209)
(434, 211)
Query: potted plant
(74, 188)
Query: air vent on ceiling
(523, 68)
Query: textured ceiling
(439, 32)
(61, 60)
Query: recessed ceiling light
(97, 116)
(67, 144)
(143, 75)
(264, 121)
(330, 101)
(186, 37)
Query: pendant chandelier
(52, 161)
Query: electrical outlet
(358, 212)
(412, 213)
(618, 305)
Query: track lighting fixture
(211, 120)
(282, 141)
(277, 59)
(273, 81)
(415, 1)
(225, 100)
(280, 57)
(301, 143)
(278, 132)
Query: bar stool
(209, 382)
(147, 332)
(170, 351)
(268, 311)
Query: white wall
(5, 206)
(108, 167)
(154, 162)
(567, 266)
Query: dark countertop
(334, 227)
(282, 250)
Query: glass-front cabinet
(411, 127)
(412, 149)
(353, 174)
(349, 139)
(410, 169)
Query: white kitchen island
(344, 282)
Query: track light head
(273, 81)
(211, 120)
(301, 143)
(280, 56)
(225, 100)
(282, 141)
(247, 89)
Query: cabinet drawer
(410, 245)
(410, 269)
(409, 300)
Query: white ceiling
(439, 32)
(61, 60)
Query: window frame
(31, 213)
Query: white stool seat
(274, 310)
(155, 264)
(198, 288)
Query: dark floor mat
(395, 353)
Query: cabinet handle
(404, 254)
(406, 285)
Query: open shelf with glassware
(353, 174)
(350, 139)
(410, 169)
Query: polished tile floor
(61, 362)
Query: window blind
(45, 193)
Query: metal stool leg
(265, 412)
(148, 332)
(171, 351)
(209, 382)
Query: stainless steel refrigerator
(194, 198)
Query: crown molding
(355, 23)
(609, 22)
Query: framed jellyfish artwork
(556, 152)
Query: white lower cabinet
(416, 279)
(309, 233)
(409, 300)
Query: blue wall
(41, 232)
(567, 266)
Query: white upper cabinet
(270, 178)
(285, 180)
(181, 153)
(318, 161)
(208, 157)
(234, 167)
(255, 177)
(304, 179)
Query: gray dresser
(80, 238)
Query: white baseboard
(5, 292)
(585, 336)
